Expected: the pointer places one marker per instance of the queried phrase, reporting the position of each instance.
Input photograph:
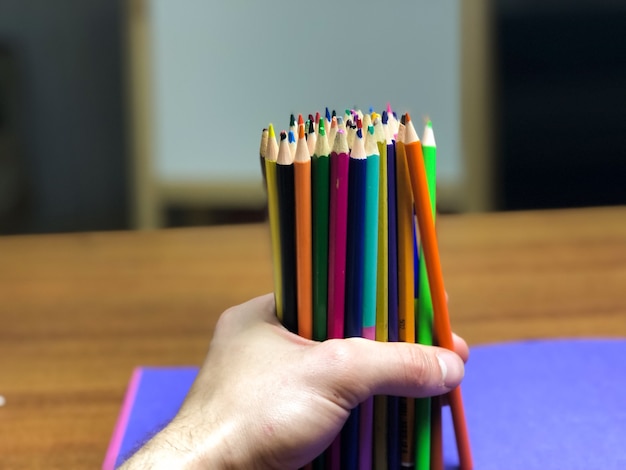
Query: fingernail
(452, 368)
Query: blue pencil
(354, 281)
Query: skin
(267, 398)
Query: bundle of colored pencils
(351, 202)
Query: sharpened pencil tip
(271, 131)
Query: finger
(360, 368)
(460, 347)
(258, 310)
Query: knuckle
(418, 365)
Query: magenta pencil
(337, 239)
(337, 234)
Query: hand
(267, 398)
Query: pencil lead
(301, 131)
(300, 119)
(292, 137)
(311, 127)
(403, 119)
(317, 117)
(271, 131)
(283, 135)
(327, 114)
(292, 120)
(321, 130)
(334, 113)
(385, 117)
(407, 118)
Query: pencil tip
(407, 118)
(271, 131)
(292, 120)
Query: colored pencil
(311, 138)
(286, 217)
(333, 130)
(369, 284)
(382, 274)
(339, 172)
(262, 152)
(393, 423)
(292, 143)
(339, 166)
(406, 289)
(355, 253)
(443, 331)
(423, 406)
(320, 171)
(304, 231)
(370, 258)
(271, 155)
(382, 296)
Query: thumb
(360, 368)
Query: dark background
(63, 162)
(561, 103)
(560, 113)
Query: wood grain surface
(79, 311)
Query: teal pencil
(370, 264)
(382, 295)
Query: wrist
(181, 446)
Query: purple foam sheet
(557, 404)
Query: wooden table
(80, 311)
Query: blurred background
(147, 113)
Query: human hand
(267, 398)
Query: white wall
(224, 70)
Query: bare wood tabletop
(79, 311)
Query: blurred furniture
(80, 311)
(199, 93)
(559, 103)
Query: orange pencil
(443, 331)
(406, 287)
(304, 242)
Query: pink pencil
(339, 160)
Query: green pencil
(425, 308)
(320, 175)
